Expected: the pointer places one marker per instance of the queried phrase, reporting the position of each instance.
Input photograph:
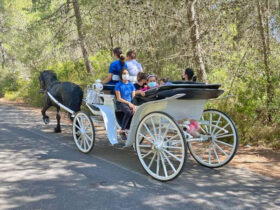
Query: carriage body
(159, 128)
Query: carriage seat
(192, 91)
(109, 89)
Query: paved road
(43, 170)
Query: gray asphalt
(43, 170)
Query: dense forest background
(232, 42)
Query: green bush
(8, 81)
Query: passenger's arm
(108, 78)
(119, 98)
(140, 92)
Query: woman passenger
(115, 67)
(125, 91)
(189, 75)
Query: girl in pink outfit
(152, 82)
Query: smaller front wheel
(83, 132)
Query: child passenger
(141, 83)
(164, 81)
(152, 82)
(125, 91)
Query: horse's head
(46, 78)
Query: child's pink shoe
(194, 129)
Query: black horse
(67, 93)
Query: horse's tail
(76, 101)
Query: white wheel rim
(221, 143)
(160, 146)
(83, 132)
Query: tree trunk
(82, 36)
(264, 34)
(3, 55)
(194, 35)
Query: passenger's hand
(142, 93)
(132, 107)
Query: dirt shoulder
(264, 161)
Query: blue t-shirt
(125, 90)
(116, 67)
(133, 67)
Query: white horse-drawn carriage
(159, 128)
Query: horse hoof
(57, 130)
(46, 120)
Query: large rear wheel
(220, 140)
(83, 132)
(161, 146)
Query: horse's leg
(57, 129)
(47, 105)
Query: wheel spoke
(77, 126)
(87, 142)
(154, 127)
(221, 149)
(206, 127)
(171, 147)
(151, 162)
(174, 156)
(215, 152)
(166, 131)
(157, 163)
(168, 140)
(147, 154)
(149, 131)
(163, 164)
(145, 145)
(224, 143)
(159, 129)
(79, 122)
(210, 126)
(210, 146)
(169, 162)
(147, 138)
(88, 138)
(223, 129)
(201, 128)
(217, 123)
(223, 136)
(89, 132)
(79, 138)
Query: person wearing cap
(115, 67)
(133, 66)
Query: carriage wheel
(83, 132)
(160, 146)
(221, 140)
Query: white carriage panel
(182, 109)
(109, 122)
